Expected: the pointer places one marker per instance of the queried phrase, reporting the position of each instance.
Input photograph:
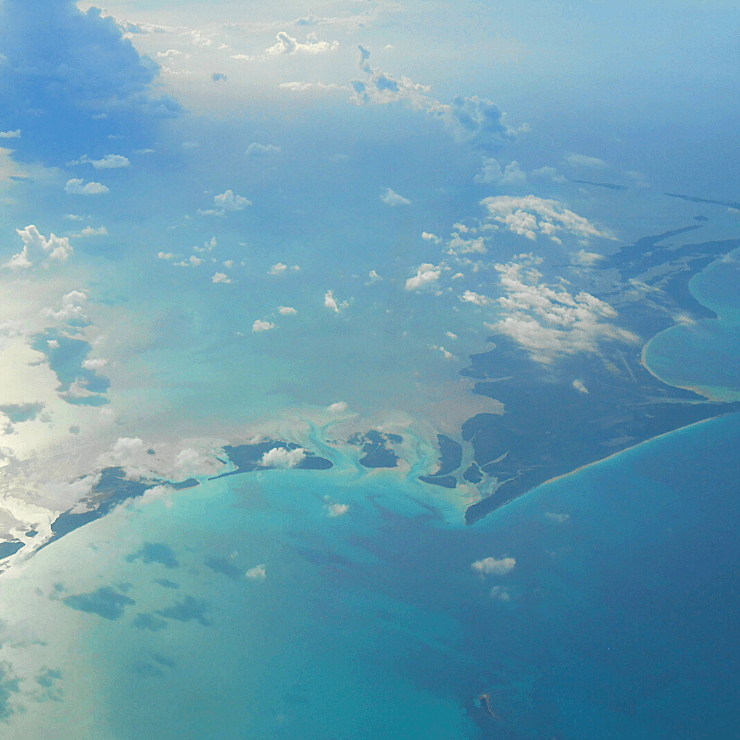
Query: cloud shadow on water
(105, 602)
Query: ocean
(618, 619)
(352, 603)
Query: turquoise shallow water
(705, 355)
(243, 609)
(616, 621)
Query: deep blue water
(619, 621)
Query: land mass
(581, 409)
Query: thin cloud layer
(391, 198)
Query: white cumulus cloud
(470, 296)
(335, 510)
(287, 310)
(36, 244)
(226, 203)
(332, 303)
(426, 274)
(288, 45)
(260, 326)
(77, 186)
(95, 364)
(580, 386)
(548, 320)
(492, 174)
(279, 457)
(71, 307)
(258, 573)
(220, 277)
(530, 216)
(492, 566)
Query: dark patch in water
(225, 567)
(188, 610)
(105, 602)
(155, 552)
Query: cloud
(579, 386)
(108, 162)
(391, 198)
(288, 45)
(547, 173)
(492, 566)
(279, 457)
(492, 174)
(547, 320)
(458, 245)
(92, 231)
(261, 150)
(72, 303)
(302, 86)
(226, 203)
(75, 186)
(335, 510)
(529, 216)
(257, 574)
(277, 269)
(34, 243)
(446, 353)
(62, 65)
(221, 277)
(475, 121)
(331, 302)
(587, 259)
(127, 448)
(95, 364)
(471, 297)
(191, 261)
(500, 594)
(10, 134)
(426, 274)
(338, 407)
(260, 326)
(581, 160)
(427, 236)
(373, 278)
(287, 310)
(169, 54)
